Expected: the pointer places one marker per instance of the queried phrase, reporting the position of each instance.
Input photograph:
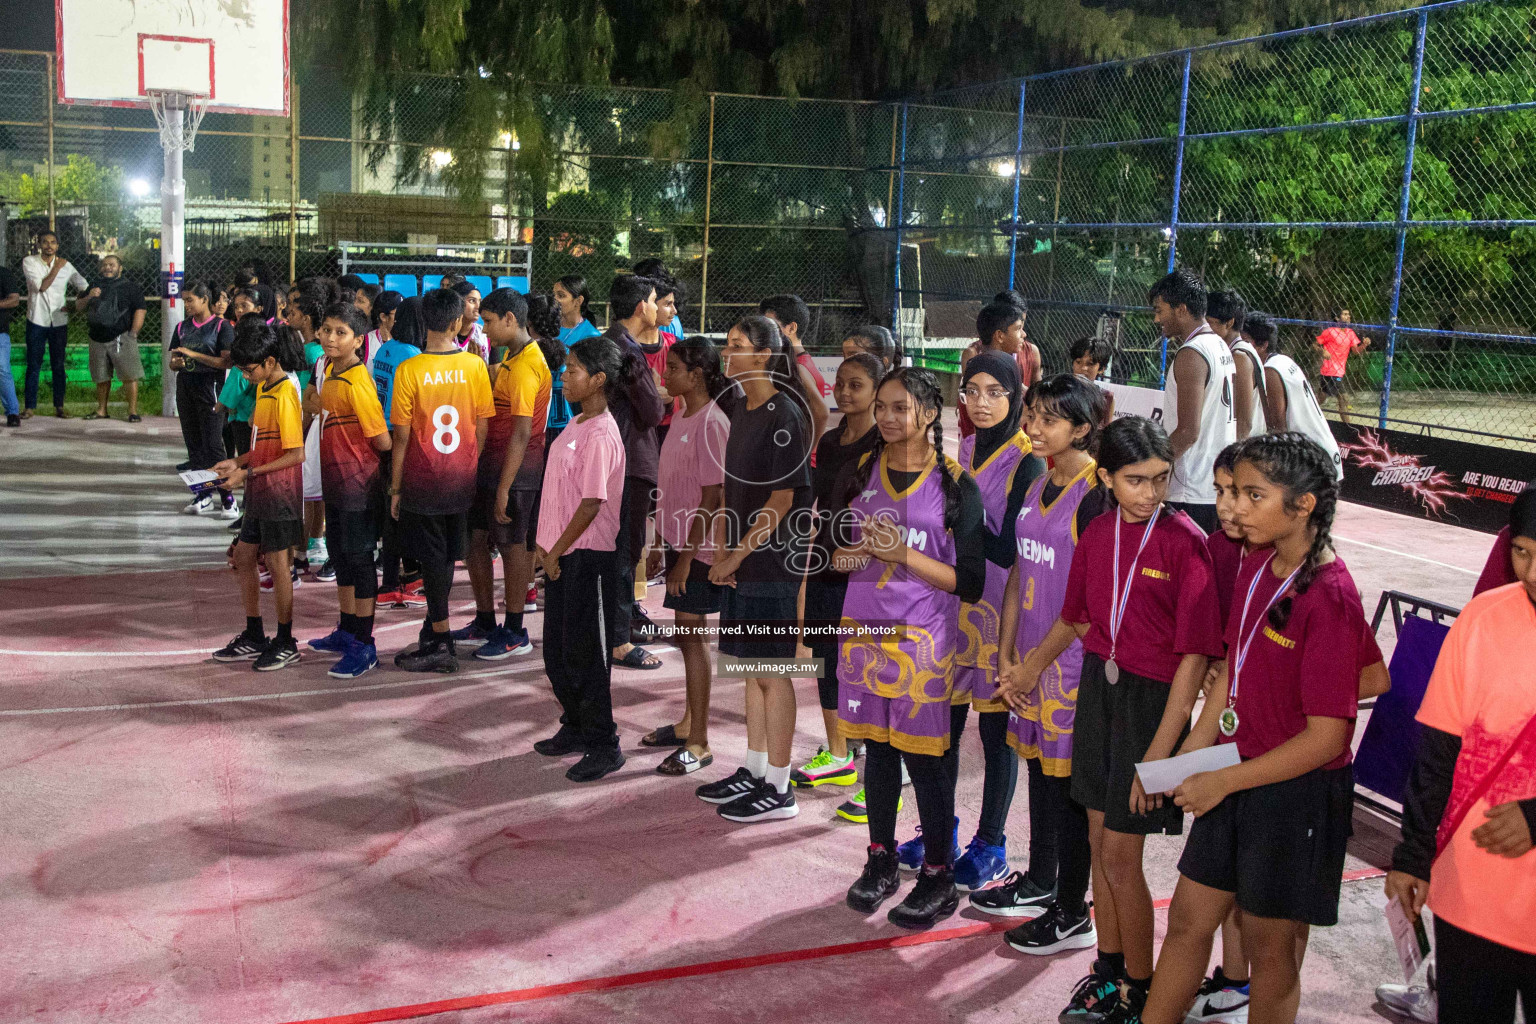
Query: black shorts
(1204, 515)
(1279, 847)
(826, 683)
(762, 604)
(435, 539)
(355, 532)
(700, 597)
(1114, 726)
(1331, 386)
(522, 508)
(272, 534)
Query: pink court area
(190, 842)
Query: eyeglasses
(971, 394)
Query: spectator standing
(1337, 342)
(49, 278)
(10, 298)
(114, 315)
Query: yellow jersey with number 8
(440, 396)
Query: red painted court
(192, 842)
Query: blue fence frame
(1422, 19)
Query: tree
(81, 182)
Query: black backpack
(106, 317)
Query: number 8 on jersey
(440, 396)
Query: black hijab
(1003, 368)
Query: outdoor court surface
(187, 841)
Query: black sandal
(636, 659)
(662, 736)
(683, 762)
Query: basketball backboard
(117, 52)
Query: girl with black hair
(1064, 416)
(875, 340)
(364, 297)
(408, 334)
(915, 547)
(576, 319)
(577, 534)
(381, 317)
(997, 456)
(1141, 598)
(544, 322)
(272, 476)
(1270, 832)
(760, 551)
(200, 355)
(690, 488)
(837, 456)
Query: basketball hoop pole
(173, 199)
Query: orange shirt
(349, 464)
(523, 385)
(277, 426)
(1483, 691)
(440, 396)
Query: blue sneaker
(911, 854)
(360, 659)
(981, 865)
(471, 634)
(504, 643)
(336, 642)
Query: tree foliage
(80, 182)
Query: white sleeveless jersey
(1302, 413)
(1256, 423)
(1192, 482)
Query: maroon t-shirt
(1498, 570)
(1172, 611)
(1310, 668)
(1226, 556)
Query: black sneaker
(327, 573)
(244, 647)
(13, 420)
(432, 656)
(280, 653)
(1016, 897)
(1052, 932)
(1093, 998)
(594, 764)
(728, 789)
(182, 467)
(566, 741)
(762, 804)
(880, 880)
(234, 527)
(1128, 1010)
(934, 896)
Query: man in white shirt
(49, 277)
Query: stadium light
(1004, 168)
(138, 188)
(442, 158)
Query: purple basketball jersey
(1045, 538)
(976, 658)
(896, 688)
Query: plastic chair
(517, 283)
(431, 282)
(1391, 740)
(405, 284)
(482, 283)
(369, 278)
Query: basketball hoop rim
(196, 106)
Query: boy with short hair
(440, 411)
(1090, 356)
(1337, 343)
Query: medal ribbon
(1120, 601)
(1242, 649)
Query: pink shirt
(692, 458)
(1337, 343)
(587, 461)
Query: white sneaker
(230, 511)
(212, 507)
(199, 506)
(1413, 1001)
(317, 551)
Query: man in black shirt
(114, 314)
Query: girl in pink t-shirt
(690, 490)
(578, 527)
(1270, 832)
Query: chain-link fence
(1384, 165)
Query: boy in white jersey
(1289, 403)
(1224, 313)
(1197, 402)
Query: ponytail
(1298, 464)
(697, 352)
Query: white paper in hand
(198, 480)
(1410, 938)
(1164, 776)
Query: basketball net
(168, 107)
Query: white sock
(757, 763)
(778, 778)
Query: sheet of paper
(1410, 938)
(198, 480)
(1165, 775)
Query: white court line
(424, 680)
(1404, 554)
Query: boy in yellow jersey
(353, 433)
(272, 475)
(510, 474)
(441, 408)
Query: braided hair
(544, 321)
(878, 341)
(923, 386)
(697, 352)
(1299, 464)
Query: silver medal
(1111, 671)
(1228, 722)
